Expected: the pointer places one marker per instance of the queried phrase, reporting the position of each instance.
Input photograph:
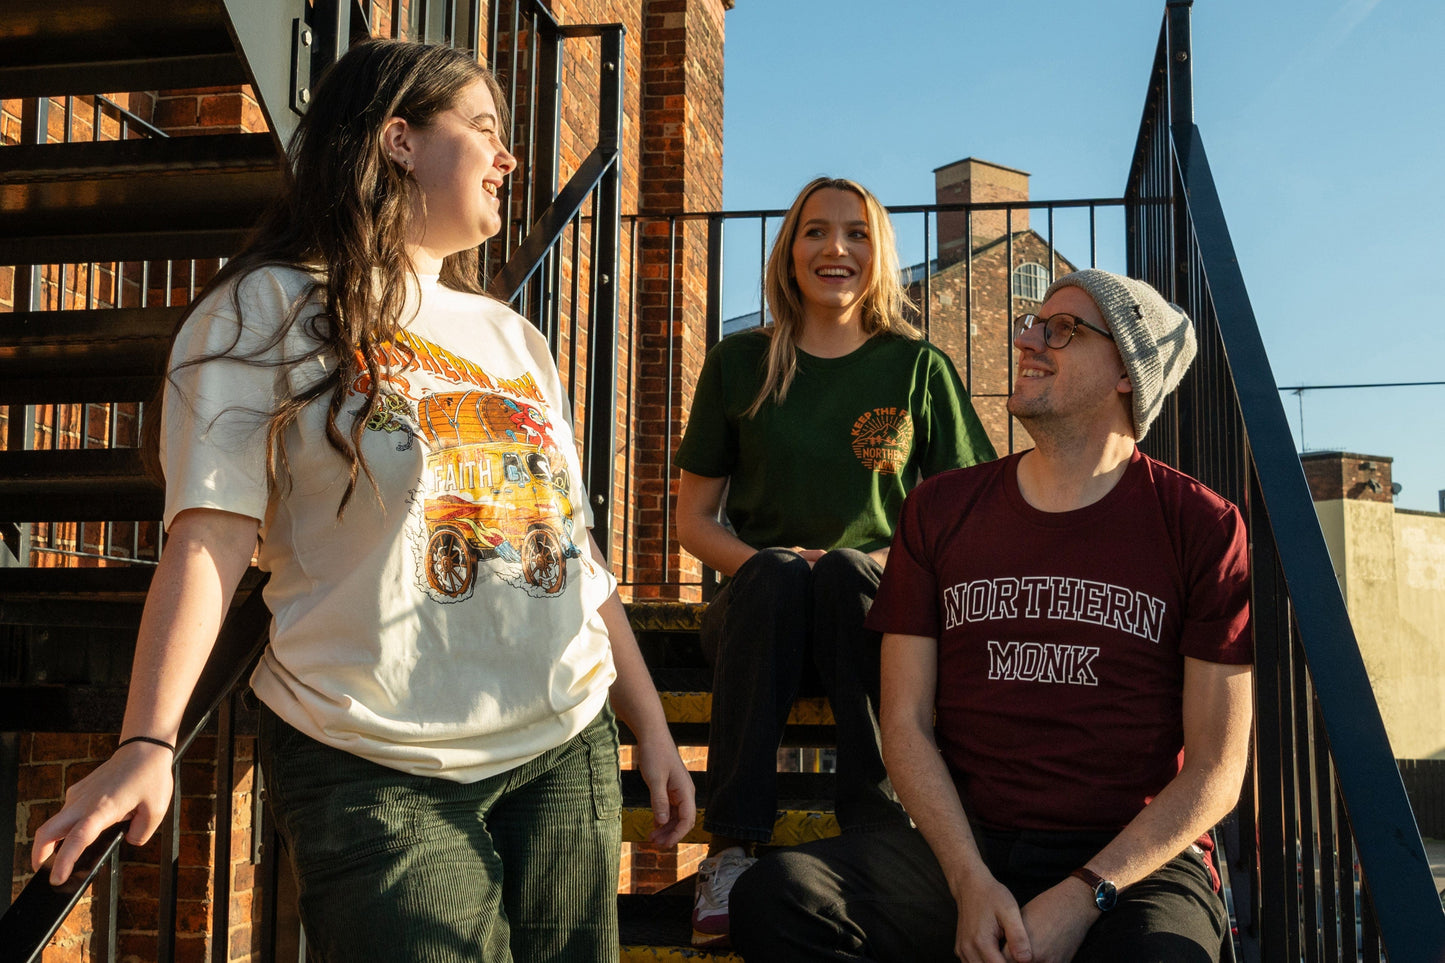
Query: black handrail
(1325, 783)
(40, 909)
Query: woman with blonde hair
(437, 727)
(813, 429)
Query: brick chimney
(974, 181)
(1334, 475)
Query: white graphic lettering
(1042, 662)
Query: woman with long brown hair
(813, 429)
(435, 731)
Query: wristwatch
(1105, 893)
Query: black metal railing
(38, 912)
(1326, 859)
(554, 262)
(965, 304)
(558, 260)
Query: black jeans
(881, 896)
(768, 625)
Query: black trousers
(880, 896)
(775, 624)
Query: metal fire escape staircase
(106, 221)
(1323, 805)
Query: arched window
(1031, 280)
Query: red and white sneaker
(715, 878)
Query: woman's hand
(674, 808)
(699, 506)
(809, 555)
(207, 551)
(134, 784)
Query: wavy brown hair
(343, 216)
(884, 300)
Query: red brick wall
(681, 157)
(52, 762)
(208, 110)
(1335, 475)
(980, 341)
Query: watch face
(1105, 895)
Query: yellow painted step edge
(793, 826)
(642, 954)
(697, 707)
(649, 616)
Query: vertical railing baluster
(1309, 840)
(169, 871)
(1008, 280)
(1334, 887)
(967, 300)
(112, 908)
(224, 815)
(9, 798)
(927, 300)
(634, 346)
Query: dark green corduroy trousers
(393, 867)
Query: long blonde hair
(884, 300)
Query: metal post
(1181, 64)
(713, 331)
(712, 335)
(169, 871)
(545, 133)
(9, 797)
(601, 441)
(225, 787)
(331, 28)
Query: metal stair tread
(648, 615)
(658, 926)
(133, 199)
(115, 159)
(93, 46)
(83, 484)
(796, 823)
(105, 354)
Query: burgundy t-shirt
(1061, 636)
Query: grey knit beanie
(1155, 338)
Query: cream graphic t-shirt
(448, 623)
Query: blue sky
(1325, 126)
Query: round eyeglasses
(1059, 329)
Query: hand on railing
(135, 784)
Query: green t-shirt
(830, 467)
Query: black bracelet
(154, 742)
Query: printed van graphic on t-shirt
(882, 439)
(496, 491)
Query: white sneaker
(715, 878)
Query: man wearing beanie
(1066, 684)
